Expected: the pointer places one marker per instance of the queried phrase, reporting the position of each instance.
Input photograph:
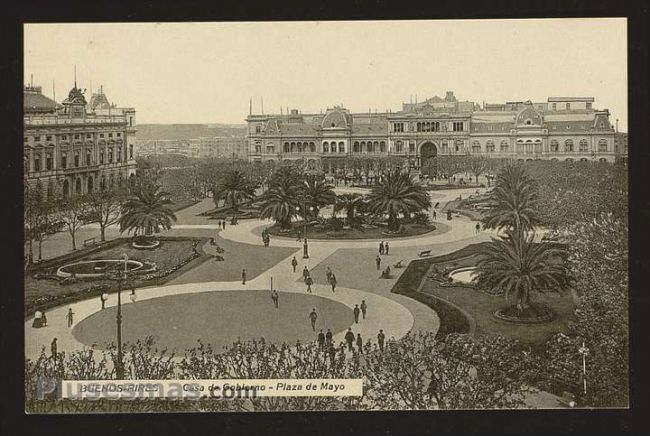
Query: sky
(208, 72)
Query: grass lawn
(374, 233)
(45, 292)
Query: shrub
(421, 218)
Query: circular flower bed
(145, 244)
(94, 268)
(463, 275)
(533, 314)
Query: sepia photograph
(281, 216)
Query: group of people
(350, 340)
(266, 237)
(360, 311)
(222, 224)
(384, 248)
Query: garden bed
(350, 233)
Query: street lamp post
(305, 246)
(584, 351)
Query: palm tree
(395, 195)
(147, 210)
(513, 201)
(234, 188)
(350, 203)
(515, 265)
(317, 193)
(280, 202)
(285, 174)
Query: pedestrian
(321, 341)
(328, 274)
(332, 353)
(349, 338)
(268, 239)
(275, 297)
(356, 312)
(328, 337)
(386, 247)
(223, 224)
(364, 307)
(243, 276)
(381, 338)
(333, 282)
(378, 262)
(478, 228)
(381, 247)
(53, 348)
(359, 343)
(294, 263)
(43, 320)
(313, 316)
(69, 317)
(101, 297)
(305, 273)
(309, 281)
(435, 215)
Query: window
(101, 135)
(476, 147)
(37, 138)
(48, 137)
(602, 146)
(457, 145)
(49, 161)
(503, 147)
(88, 158)
(568, 106)
(341, 147)
(398, 147)
(37, 161)
(258, 128)
(118, 154)
(119, 134)
(398, 127)
(64, 137)
(110, 135)
(64, 160)
(101, 156)
(489, 147)
(77, 136)
(554, 106)
(382, 146)
(588, 105)
(110, 155)
(568, 146)
(355, 147)
(76, 159)
(584, 146)
(286, 147)
(89, 135)
(326, 147)
(554, 145)
(458, 126)
(131, 150)
(411, 146)
(130, 121)
(312, 147)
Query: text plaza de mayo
(77, 147)
(563, 128)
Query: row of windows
(369, 147)
(568, 106)
(104, 183)
(583, 146)
(48, 159)
(75, 136)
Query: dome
(336, 118)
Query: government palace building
(76, 146)
(563, 128)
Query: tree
(72, 211)
(350, 203)
(234, 188)
(317, 193)
(477, 166)
(280, 202)
(105, 208)
(515, 265)
(34, 210)
(512, 202)
(397, 194)
(147, 210)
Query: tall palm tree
(280, 202)
(397, 194)
(515, 265)
(147, 210)
(234, 188)
(317, 193)
(513, 201)
(350, 203)
(285, 174)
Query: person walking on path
(349, 338)
(309, 281)
(386, 248)
(243, 276)
(364, 307)
(223, 224)
(378, 262)
(313, 316)
(381, 338)
(381, 247)
(294, 263)
(333, 282)
(435, 215)
(359, 343)
(328, 274)
(356, 312)
(321, 341)
(101, 297)
(69, 317)
(328, 337)
(275, 297)
(305, 273)
(478, 228)
(44, 319)
(53, 348)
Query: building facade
(75, 147)
(230, 147)
(563, 128)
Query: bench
(90, 241)
(425, 253)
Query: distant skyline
(207, 72)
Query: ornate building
(75, 147)
(563, 128)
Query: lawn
(171, 255)
(348, 233)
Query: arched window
(568, 146)
(419, 127)
(293, 147)
(77, 186)
(476, 147)
(110, 154)
(102, 183)
(299, 146)
(90, 184)
(503, 147)
(602, 146)
(398, 147)
(49, 161)
(584, 146)
(382, 146)
(341, 147)
(66, 188)
(375, 146)
(286, 147)
(555, 147)
(64, 159)
(37, 161)
(356, 147)
(489, 146)
(326, 147)
(88, 158)
(363, 146)
(50, 189)
(312, 147)
(76, 159)
(130, 151)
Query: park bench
(425, 253)
(90, 241)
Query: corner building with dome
(563, 128)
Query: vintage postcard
(325, 216)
